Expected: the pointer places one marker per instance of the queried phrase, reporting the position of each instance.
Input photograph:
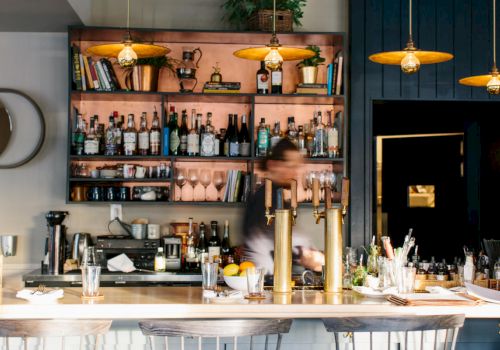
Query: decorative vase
(308, 75)
(143, 78)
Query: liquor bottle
(262, 139)
(201, 128)
(217, 142)
(143, 136)
(191, 258)
(337, 124)
(213, 244)
(79, 135)
(244, 138)
(166, 132)
(301, 138)
(100, 136)
(262, 79)
(225, 249)
(222, 137)
(208, 139)
(309, 134)
(320, 141)
(275, 135)
(183, 134)
(229, 131)
(110, 148)
(202, 247)
(130, 137)
(91, 144)
(160, 262)
(175, 140)
(333, 138)
(234, 145)
(193, 138)
(277, 80)
(119, 132)
(155, 135)
(292, 132)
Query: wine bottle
(175, 140)
(120, 127)
(191, 257)
(183, 133)
(130, 137)
(277, 80)
(79, 135)
(193, 138)
(202, 247)
(262, 79)
(213, 244)
(143, 137)
(225, 249)
(234, 145)
(155, 135)
(229, 131)
(244, 138)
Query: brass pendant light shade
(491, 81)
(274, 54)
(410, 58)
(127, 52)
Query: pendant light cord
(274, 17)
(128, 14)
(494, 35)
(410, 22)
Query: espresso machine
(55, 247)
(173, 252)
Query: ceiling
(39, 15)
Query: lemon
(243, 273)
(231, 270)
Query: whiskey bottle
(79, 135)
(275, 134)
(262, 139)
(292, 133)
(244, 138)
(277, 80)
(110, 136)
(130, 137)
(143, 136)
(208, 139)
(155, 135)
(202, 246)
(262, 79)
(213, 244)
(234, 145)
(183, 134)
(91, 144)
(175, 140)
(193, 138)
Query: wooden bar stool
(52, 328)
(215, 329)
(425, 331)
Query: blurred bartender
(280, 166)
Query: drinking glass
(193, 178)
(219, 182)
(9, 245)
(405, 279)
(180, 179)
(91, 277)
(205, 179)
(209, 273)
(255, 281)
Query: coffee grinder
(173, 252)
(55, 248)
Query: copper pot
(143, 78)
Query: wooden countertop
(187, 302)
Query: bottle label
(184, 143)
(208, 145)
(216, 146)
(245, 149)
(144, 140)
(262, 82)
(333, 142)
(276, 77)
(193, 146)
(91, 147)
(234, 149)
(175, 141)
(129, 142)
(263, 140)
(226, 148)
(213, 251)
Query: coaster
(261, 297)
(98, 297)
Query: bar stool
(52, 328)
(365, 331)
(215, 328)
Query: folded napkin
(40, 297)
(121, 263)
(226, 294)
(419, 299)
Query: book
(338, 80)
(329, 78)
(315, 91)
(232, 85)
(111, 71)
(220, 91)
(93, 73)
(88, 74)
(82, 72)
(102, 76)
(107, 75)
(77, 73)
(322, 86)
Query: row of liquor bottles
(314, 139)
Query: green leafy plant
(237, 12)
(159, 62)
(314, 61)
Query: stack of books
(92, 75)
(237, 186)
(222, 88)
(316, 89)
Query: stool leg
(25, 343)
(266, 343)
(278, 343)
(251, 342)
(182, 343)
(166, 343)
(62, 343)
(217, 342)
(7, 343)
(96, 345)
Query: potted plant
(257, 14)
(309, 66)
(144, 75)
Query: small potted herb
(144, 75)
(309, 66)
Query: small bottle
(183, 134)
(432, 270)
(225, 249)
(275, 135)
(213, 244)
(160, 262)
(91, 144)
(262, 139)
(79, 136)
(130, 137)
(193, 138)
(143, 137)
(244, 138)
(234, 145)
(277, 80)
(110, 148)
(202, 247)
(262, 79)
(155, 135)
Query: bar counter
(133, 303)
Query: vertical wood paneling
(427, 33)
(481, 51)
(391, 42)
(445, 79)
(462, 33)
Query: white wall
(36, 63)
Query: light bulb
(273, 59)
(493, 86)
(410, 63)
(127, 57)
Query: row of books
(222, 87)
(334, 79)
(238, 186)
(92, 75)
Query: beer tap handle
(315, 193)
(328, 197)
(293, 204)
(268, 201)
(345, 194)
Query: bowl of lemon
(235, 275)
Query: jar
(497, 269)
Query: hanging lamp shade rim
(142, 50)
(425, 57)
(260, 53)
(477, 80)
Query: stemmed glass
(180, 179)
(193, 178)
(205, 179)
(219, 182)
(305, 185)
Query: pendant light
(410, 58)
(490, 81)
(273, 54)
(127, 52)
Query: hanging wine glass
(193, 178)
(180, 179)
(205, 180)
(219, 182)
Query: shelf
(210, 159)
(300, 99)
(203, 204)
(312, 160)
(211, 204)
(89, 179)
(121, 202)
(118, 95)
(200, 97)
(113, 158)
(163, 158)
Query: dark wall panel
(461, 27)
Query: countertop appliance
(56, 242)
(140, 251)
(172, 248)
